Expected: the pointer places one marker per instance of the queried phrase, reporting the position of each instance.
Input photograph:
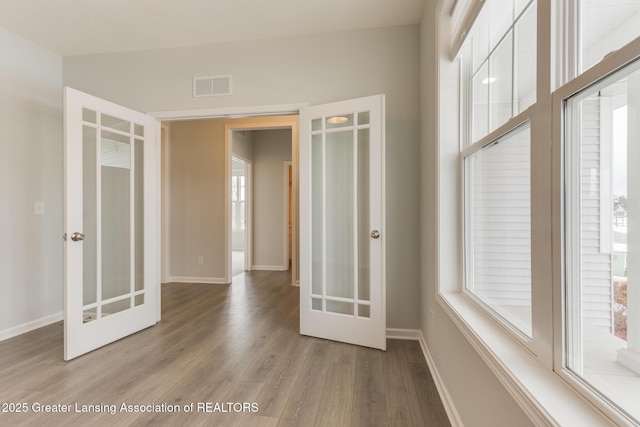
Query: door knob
(375, 234)
(77, 236)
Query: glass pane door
(340, 224)
(111, 222)
(113, 201)
(342, 211)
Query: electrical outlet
(200, 260)
(38, 208)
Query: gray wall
(310, 69)
(30, 170)
(271, 148)
(242, 144)
(478, 396)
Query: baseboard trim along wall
(447, 401)
(30, 326)
(269, 268)
(205, 280)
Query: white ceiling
(78, 27)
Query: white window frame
(468, 147)
(601, 72)
(467, 87)
(532, 372)
(497, 136)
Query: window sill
(539, 392)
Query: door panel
(342, 295)
(111, 222)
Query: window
(602, 178)
(605, 26)
(539, 199)
(237, 202)
(499, 64)
(498, 83)
(498, 227)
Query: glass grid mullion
(474, 73)
(501, 39)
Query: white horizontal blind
(498, 208)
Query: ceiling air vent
(211, 86)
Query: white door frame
(253, 113)
(165, 200)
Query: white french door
(342, 274)
(111, 222)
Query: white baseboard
(403, 334)
(269, 268)
(447, 401)
(30, 326)
(205, 280)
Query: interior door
(111, 222)
(342, 275)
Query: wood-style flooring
(235, 353)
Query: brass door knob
(77, 236)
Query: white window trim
(542, 395)
(547, 396)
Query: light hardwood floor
(221, 344)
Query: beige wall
(197, 170)
(197, 216)
(311, 69)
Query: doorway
(240, 215)
(197, 218)
(270, 221)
